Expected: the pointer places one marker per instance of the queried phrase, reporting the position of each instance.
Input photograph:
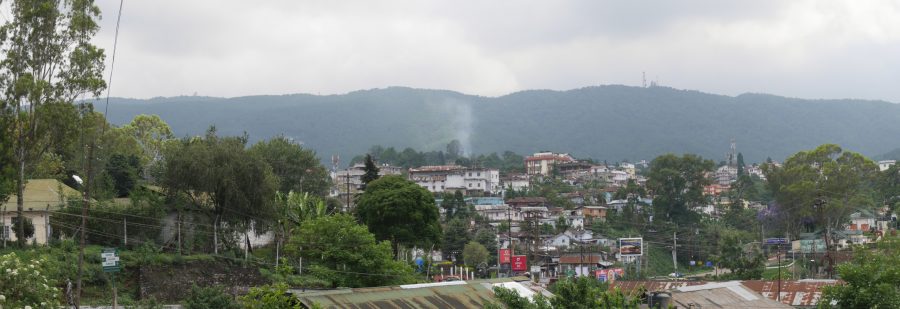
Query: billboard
(504, 256)
(609, 275)
(631, 246)
(519, 263)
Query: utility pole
(509, 239)
(125, 230)
(85, 204)
(674, 252)
(348, 189)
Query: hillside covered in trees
(605, 123)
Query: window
(479, 185)
(470, 185)
(479, 174)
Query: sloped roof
(730, 294)
(454, 294)
(801, 293)
(40, 193)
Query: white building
(883, 165)
(542, 163)
(352, 178)
(518, 182)
(451, 178)
(726, 175)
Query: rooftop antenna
(644, 78)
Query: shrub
(26, 284)
(273, 296)
(208, 298)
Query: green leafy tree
(740, 164)
(209, 298)
(474, 254)
(455, 238)
(48, 60)
(871, 279)
(678, 185)
(218, 175)
(733, 253)
(888, 185)
(401, 211)
(123, 172)
(151, 134)
(585, 292)
(343, 252)
(371, 171)
(820, 188)
(487, 238)
(297, 169)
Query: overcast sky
(808, 49)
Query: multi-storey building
(452, 178)
(349, 181)
(542, 163)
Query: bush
(26, 284)
(273, 296)
(208, 298)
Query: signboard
(812, 245)
(110, 258)
(776, 241)
(535, 269)
(609, 275)
(519, 263)
(631, 246)
(504, 256)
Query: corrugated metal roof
(721, 295)
(459, 294)
(802, 293)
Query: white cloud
(233, 48)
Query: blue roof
(487, 200)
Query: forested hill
(606, 122)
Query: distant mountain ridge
(611, 123)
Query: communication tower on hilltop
(732, 156)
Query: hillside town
(448, 154)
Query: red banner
(504, 256)
(519, 263)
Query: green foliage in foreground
(582, 292)
(273, 296)
(209, 298)
(872, 279)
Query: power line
(112, 62)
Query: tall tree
(298, 169)
(371, 171)
(487, 238)
(220, 176)
(820, 188)
(151, 133)
(455, 237)
(740, 164)
(401, 211)
(48, 59)
(678, 185)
